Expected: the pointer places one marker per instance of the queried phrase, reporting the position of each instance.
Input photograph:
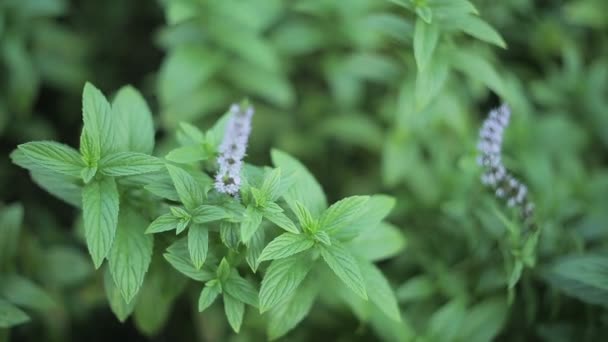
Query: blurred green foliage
(374, 97)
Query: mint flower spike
(233, 148)
(495, 175)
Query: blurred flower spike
(495, 175)
(233, 148)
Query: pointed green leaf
(281, 280)
(345, 266)
(99, 128)
(11, 315)
(208, 295)
(235, 309)
(304, 216)
(230, 235)
(188, 154)
(254, 249)
(286, 245)
(426, 36)
(129, 163)
(581, 276)
(478, 28)
(305, 187)
(241, 289)
(272, 185)
(251, 223)
(121, 309)
(198, 244)
(100, 214)
(477, 67)
(322, 237)
(131, 253)
(25, 293)
(374, 211)
(188, 189)
(162, 224)
(343, 213)
(178, 256)
(380, 242)
(136, 126)
(207, 213)
(284, 317)
(281, 220)
(379, 291)
(54, 156)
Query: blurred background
(336, 84)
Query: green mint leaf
(284, 317)
(189, 134)
(198, 244)
(485, 320)
(235, 309)
(178, 256)
(374, 211)
(180, 212)
(208, 213)
(426, 36)
(121, 309)
(11, 315)
(478, 28)
(182, 225)
(286, 245)
(305, 187)
(162, 224)
(11, 218)
(254, 249)
(271, 187)
(322, 237)
(129, 164)
(581, 276)
(66, 188)
(189, 191)
(379, 291)
(280, 219)
(425, 13)
(241, 289)
(477, 67)
(343, 213)
(250, 224)
(54, 156)
(231, 235)
(23, 292)
(223, 271)
(208, 295)
(88, 173)
(100, 202)
(305, 217)
(136, 127)
(282, 279)
(188, 154)
(99, 127)
(131, 253)
(381, 241)
(259, 197)
(345, 266)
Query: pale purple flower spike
(496, 176)
(232, 150)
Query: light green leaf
(163, 223)
(129, 163)
(99, 129)
(281, 220)
(375, 210)
(188, 154)
(416, 288)
(198, 244)
(581, 276)
(54, 156)
(131, 253)
(250, 224)
(478, 68)
(426, 36)
(241, 289)
(88, 173)
(322, 237)
(189, 191)
(207, 213)
(485, 320)
(445, 324)
(305, 217)
(230, 234)
(178, 256)
(380, 242)
(345, 266)
(121, 309)
(254, 249)
(235, 309)
(11, 315)
(208, 295)
(430, 80)
(286, 245)
(476, 27)
(379, 291)
(284, 317)
(136, 126)
(281, 280)
(23, 292)
(271, 188)
(343, 213)
(425, 13)
(100, 202)
(305, 187)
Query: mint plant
(255, 236)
